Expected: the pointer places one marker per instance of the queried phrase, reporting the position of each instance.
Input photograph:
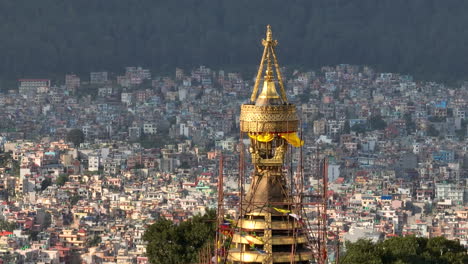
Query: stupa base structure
(270, 228)
(269, 237)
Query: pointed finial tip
(269, 34)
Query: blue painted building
(443, 155)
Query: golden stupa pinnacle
(269, 89)
(268, 229)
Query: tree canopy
(410, 250)
(61, 179)
(7, 226)
(173, 244)
(377, 123)
(75, 136)
(45, 183)
(51, 37)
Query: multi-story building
(320, 127)
(73, 238)
(134, 132)
(72, 82)
(150, 128)
(459, 112)
(98, 77)
(94, 161)
(449, 191)
(443, 155)
(29, 87)
(138, 72)
(334, 127)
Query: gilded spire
(267, 230)
(269, 34)
(268, 54)
(269, 71)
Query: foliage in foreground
(410, 250)
(171, 244)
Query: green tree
(432, 131)
(75, 136)
(5, 159)
(410, 124)
(74, 199)
(47, 220)
(174, 244)
(184, 193)
(15, 169)
(377, 123)
(61, 179)
(347, 128)
(305, 97)
(362, 251)
(461, 133)
(9, 258)
(437, 119)
(359, 128)
(7, 226)
(46, 183)
(410, 250)
(94, 241)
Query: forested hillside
(427, 38)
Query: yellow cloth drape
(292, 139)
(284, 211)
(263, 137)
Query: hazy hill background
(47, 38)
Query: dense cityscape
(87, 165)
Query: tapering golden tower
(269, 229)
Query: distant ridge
(53, 37)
